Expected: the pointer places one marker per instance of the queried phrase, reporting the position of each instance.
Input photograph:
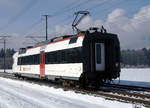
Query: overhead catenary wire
(20, 14)
(31, 27)
(71, 8)
(116, 4)
(66, 9)
(69, 17)
(102, 3)
(34, 37)
(90, 8)
(95, 6)
(140, 21)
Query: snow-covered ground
(7, 70)
(20, 94)
(138, 77)
(142, 74)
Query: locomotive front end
(101, 57)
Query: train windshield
(100, 56)
(98, 53)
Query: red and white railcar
(88, 57)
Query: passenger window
(73, 40)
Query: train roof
(53, 40)
(88, 34)
(60, 38)
(50, 41)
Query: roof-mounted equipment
(96, 29)
(103, 30)
(79, 16)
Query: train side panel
(73, 70)
(65, 69)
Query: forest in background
(8, 58)
(135, 58)
(129, 58)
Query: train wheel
(83, 81)
(98, 83)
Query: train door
(42, 64)
(99, 56)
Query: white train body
(51, 71)
(87, 57)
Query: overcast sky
(130, 19)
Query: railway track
(130, 97)
(123, 93)
(127, 87)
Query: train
(87, 57)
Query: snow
(142, 75)
(20, 94)
(7, 70)
(128, 76)
(137, 77)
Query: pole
(4, 38)
(4, 54)
(46, 27)
(46, 23)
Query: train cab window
(73, 40)
(98, 53)
(19, 61)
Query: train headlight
(117, 64)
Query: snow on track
(20, 94)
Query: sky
(129, 19)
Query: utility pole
(46, 23)
(4, 39)
(4, 54)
